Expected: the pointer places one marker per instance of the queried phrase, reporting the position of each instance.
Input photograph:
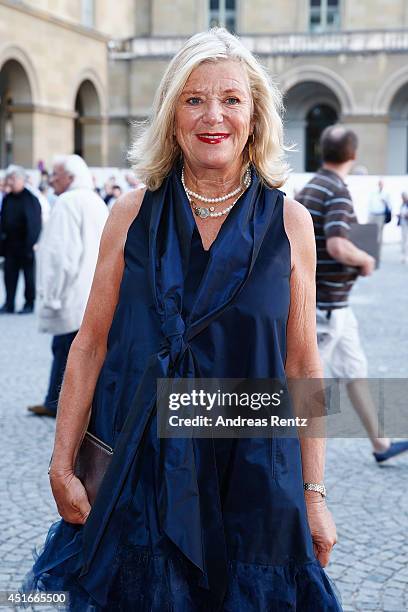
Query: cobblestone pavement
(370, 562)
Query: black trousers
(60, 349)
(12, 266)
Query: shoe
(395, 448)
(27, 309)
(41, 410)
(6, 310)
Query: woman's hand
(322, 526)
(70, 496)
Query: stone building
(75, 73)
(54, 77)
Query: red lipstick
(212, 137)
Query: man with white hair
(67, 255)
(20, 227)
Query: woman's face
(214, 115)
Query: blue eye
(232, 101)
(194, 101)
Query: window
(223, 13)
(87, 13)
(324, 15)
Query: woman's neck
(212, 182)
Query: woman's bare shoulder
(127, 206)
(296, 216)
(299, 229)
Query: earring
(251, 147)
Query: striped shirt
(328, 200)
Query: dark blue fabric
(60, 346)
(193, 524)
(13, 264)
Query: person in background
(339, 262)
(44, 183)
(97, 189)
(67, 255)
(379, 208)
(20, 227)
(116, 193)
(2, 190)
(107, 191)
(45, 188)
(43, 200)
(403, 223)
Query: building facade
(54, 94)
(74, 74)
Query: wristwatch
(314, 486)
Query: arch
(317, 119)
(303, 96)
(398, 108)
(92, 77)
(310, 107)
(16, 114)
(325, 77)
(14, 79)
(19, 55)
(89, 124)
(385, 96)
(87, 101)
(397, 111)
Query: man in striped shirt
(339, 263)
(328, 200)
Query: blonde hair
(155, 149)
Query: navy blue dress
(193, 525)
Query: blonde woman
(205, 271)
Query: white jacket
(66, 259)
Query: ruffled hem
(144, 582)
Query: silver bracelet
(314, 486)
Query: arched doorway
(88, 124)
(16, 116)
(317, 119)
(397, 159)
(310, 107)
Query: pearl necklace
(231, 194)
(205, 212)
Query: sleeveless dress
(192, 525)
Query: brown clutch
(91, 463)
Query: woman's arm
(303, 362)
(85, 360)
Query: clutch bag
(92, 461)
